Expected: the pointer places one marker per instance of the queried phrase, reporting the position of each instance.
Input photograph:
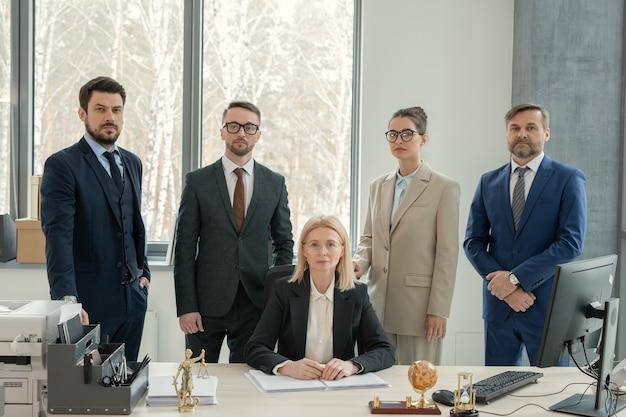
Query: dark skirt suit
(285, 319)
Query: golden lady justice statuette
(464, 396)
(185, 401)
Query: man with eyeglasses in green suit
(233, 225)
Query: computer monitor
(581, 304)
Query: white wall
(30, 283)
(453, 58)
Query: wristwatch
(70, 299)
(513, 280)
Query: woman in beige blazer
(410, 244)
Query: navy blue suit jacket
(551, 231)
(83, 230)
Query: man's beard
(524, 152)
(240, 151)
(103, 139)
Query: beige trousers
(415, 348)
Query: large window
(5, 82)
(140, 44)
(294, 60)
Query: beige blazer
(412, 263)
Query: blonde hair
(344, 270)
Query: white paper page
(368, 380)
(69, 310)
(280, 383)
(161, 386)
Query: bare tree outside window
(5, 84)
(294, 60)
(140, 44)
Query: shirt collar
(329, 294)
(230, 166)
(533, 164)
(96, 147)
(409, 177)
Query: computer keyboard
(501, 384)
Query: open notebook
(161, 391)
(280, 383)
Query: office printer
(26, 328)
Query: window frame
(22, 106)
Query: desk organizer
(75, 385)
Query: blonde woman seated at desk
(319, 314)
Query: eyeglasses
(331, 246)
(234, 127)
(406, 135)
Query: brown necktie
(239, 200)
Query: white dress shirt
(231, 179)
(529, 177)
(319, 328)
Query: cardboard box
(31, 243)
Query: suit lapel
(343, 309)
(299, 307)
(220, 180)
(256, 193)
(386, 202)
(415, 190)
(542, 177)
(102, 177)
(128, 172)
(504, 190)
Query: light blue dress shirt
(402, 183)
(99, 151)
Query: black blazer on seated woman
(285, 320)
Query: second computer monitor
(576, 286)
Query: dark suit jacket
(211, 257)
(83, 230)
(286, 316)
(551, 231)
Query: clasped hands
(310, 369)
(501, 287)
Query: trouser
(127, 329)
(504, 341)
(237, 325)
(415, 348)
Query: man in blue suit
(526, 217)
(90, 214)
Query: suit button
(119, 264)
(385, 270)
(236, 266)
(386, 247)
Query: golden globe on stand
(422, 377)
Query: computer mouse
(444, 396)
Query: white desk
(238, 397)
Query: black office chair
(275, 273)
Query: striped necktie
(519, 195)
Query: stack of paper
(161, 391)
(280, 383)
